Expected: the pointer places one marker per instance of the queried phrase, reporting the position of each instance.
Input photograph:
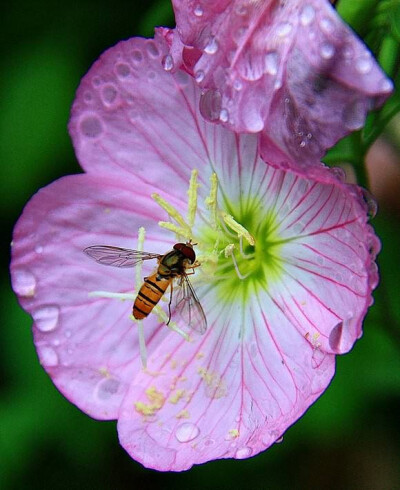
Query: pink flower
(287, 270)
(291, 70)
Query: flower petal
(231, 395)
(88, 345)
(292, 69)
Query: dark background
(348, 439)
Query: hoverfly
(171, 266)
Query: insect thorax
(173, 263)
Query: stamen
(211, 200)
(184, 232)
(109, 294)
(175, 214)
(242, 252)
(163, 318)
(240, 230)
(229, 253)
(192, 194)
(142, 344)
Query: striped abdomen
(149, 295)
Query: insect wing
(186, 304)
(118, 257)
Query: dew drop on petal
(210, 105)
(283, 29)
(277, 84)
(372, 205)
(24, 283)
(237, 85)
(243, 452)
(137, 56)
(168, 62)
(386, 85)
(364, 64)
(327, 25)
(38, 249)
(108, 94)
(96, 81)
(199, 76)
(335, 336)
(198, 11)
(106, 388)
(87, 97)
(224, 115)
(271, 63)
(339, 173)
(123, 70)
(327, 51)
(47, 355)
(91, 126)
(186, 432)
(152, 49)
(354, 115)
(46, 318)
(212, 46)
(307, 15)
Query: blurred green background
(349, 439)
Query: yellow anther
(211, 200)
(192, 194)
(184, 232)
(175, 214)
(238, 228)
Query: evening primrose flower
(285, 274)
(291, 70)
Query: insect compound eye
(187, 251)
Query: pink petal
(89, 346)
(220, 398)
(292, 69)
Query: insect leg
(169, 304)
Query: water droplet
(38, 249)
(186, 432)
(386, 85)
(46, 318)
(283, 29)
(339, 173)
(109, 94)
(198, 11)
(372, 205)
(307, 15)
(199, 76)
(327, 25)
(237, 85)
(24, 283)
(122, 70)
(106, 388)
(68, 333)
(167, 62)
(243, 452)
(224, 115)
(327, 51)
(152, 49)
(137, 56)
(364, 64)
(91, 126)
(279, 440)
(47, 355)
(277, 84)
(210, 105)
(335, 336)
(87, 97)
(212, 46)
(271, 63)
(354, 115)
(96, 81)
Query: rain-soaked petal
(291, 70)
(285, 272)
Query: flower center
(237, 243)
